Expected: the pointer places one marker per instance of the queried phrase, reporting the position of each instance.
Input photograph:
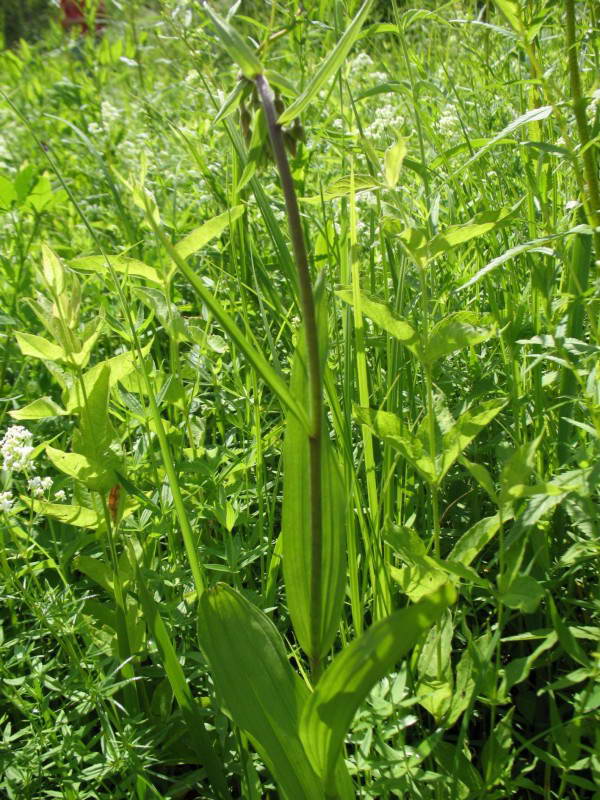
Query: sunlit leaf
(328, 67)
(347, 681)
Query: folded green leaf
(459, 234)
(38, 347)
(121, 264)
(394, 156)
(53, 270)
(70, 515)
(95, 475)
(296, 529)
(389, 427)
(342, 187)
(465, 429)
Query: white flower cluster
(387, 119)
(37, 486)
(94, 129)
(447, 123)
(109, 113)
(593, 104)
(16, 448)
(61, 496)
(361, 61)
(6, 502)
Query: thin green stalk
(592, 201)
(124, 645)
(382, 594)
(307, 303)
(434, 487)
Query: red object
(73, 14)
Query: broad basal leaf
(258, 687)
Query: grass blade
(329, 67)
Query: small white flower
(61, 496)
(386, 119)
(94, 129)
(593, 105)
(448, 122)
(16, 448)
(571, 204)
(38, 485)
(361, 61)
(6, 502)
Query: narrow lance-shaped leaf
(394, 156)
(256, 358)
(329, 67)
(42, 408)
(534, 115)
(535, 246)
(346, 683)
(77, 516)
(479, 225)
(209, 230)
(53, 270)
(38, 347)
(296, 528)
(258, 687)
(342, 187)
(119, 263)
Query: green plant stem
(433, 487)
(307, 304)
(124, 645)
(579, 104)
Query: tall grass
(300, 316)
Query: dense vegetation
(301, 506)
